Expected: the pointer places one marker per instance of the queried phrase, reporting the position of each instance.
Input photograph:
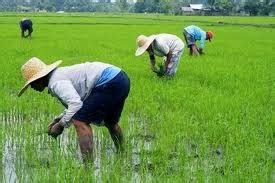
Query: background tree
(217, 7)
(211, 2)
(225, 6)
(139, 7)
(252, 7)
(59, 4)
(123, 5)
(265, 8)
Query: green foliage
(211, 123)
(214, 7)
(161, 70)
(252, 7)
(225, 6)
(258, 8)
(123, 5)
(211, 2)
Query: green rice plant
(211, 122)
(161, 70)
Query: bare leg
(117, 136)
(195, 50)
(190, 51)
(85, 139)
(30, 33)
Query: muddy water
(18, 141)
(9, 158)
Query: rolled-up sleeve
(61, 115)
(66, 93)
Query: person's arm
(22, 33)
(194, 50)
(202, 44)
(200, 50)
(30, 32)
(165, 50)
(65, 91)
(56, 120)
(152, 60)
(61, 115)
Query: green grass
(211, 122)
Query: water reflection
(9, 156)
(27, 146)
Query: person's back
(26, 25)
(167, 42)
(195, 31)
(82, 76)
(172, 41)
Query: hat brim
(142, 49)
(39, 75)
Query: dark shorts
(105, 103)
(189, 39)
(26, 25)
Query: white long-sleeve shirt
(72, 84)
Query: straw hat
(143, 42)
(210, 35)
(35, 69)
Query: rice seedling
(211, 122)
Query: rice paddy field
(213, 122)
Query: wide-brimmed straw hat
(35, 69)
(143, 42)
(210, 35)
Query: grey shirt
(164, 43)
(72, 84)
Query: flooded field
(211, 123)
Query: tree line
(211, 7)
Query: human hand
(160, 72)
(200, 50)
(55, 130)
(154, 68)
(56, 120)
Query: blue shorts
(190, 40)
(105, 103)
(26, 25)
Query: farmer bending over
(192, 34)
(164, 45)
(92, 92)
(26, 25)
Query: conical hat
(35, 69)
(143, 42)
